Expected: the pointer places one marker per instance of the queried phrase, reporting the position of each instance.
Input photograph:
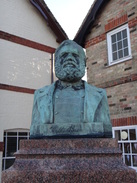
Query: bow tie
(76, 86)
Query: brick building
(28, 38)
(109, 35)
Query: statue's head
(70, 61)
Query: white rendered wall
(24, 66)
(21, 18)
(16, 110)
(15, 113)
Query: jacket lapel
(93, 96)
(45, 103)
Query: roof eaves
(50, 19)
(88, 22)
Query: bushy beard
(69, 73)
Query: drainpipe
(52, 75)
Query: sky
(69, 13)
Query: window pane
(114, 56)
(113, 38)
(119, 45)
(114, 47)
(134, 147)
(126, 52)
(117, 134)
(119, 36)
(124, 33)
(12, 133)
(23, 133)
(119, 41)
(128, 160)
(11, 146)
(132, 134)
(120, 146)
(3, 162)
(135, 161)
(120, 54)
(4, 146)
(127, 147)
(9, 162)
(125, 43)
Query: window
(127, 141)
(118, 42)
(11, 142)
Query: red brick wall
(120, 80)
(124, 121)
(122, 100)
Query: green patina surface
(70, 106)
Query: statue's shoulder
(44, 90)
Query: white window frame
(5, 157)
(109, 45)
(130, 142)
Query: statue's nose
(70, 56)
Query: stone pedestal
(81, 160)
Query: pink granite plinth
(82, 160)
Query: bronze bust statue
(70, 107)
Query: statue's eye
(64, 54)
(75, 55)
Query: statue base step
(78, 160)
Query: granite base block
(82, 160)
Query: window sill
(120, 61)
